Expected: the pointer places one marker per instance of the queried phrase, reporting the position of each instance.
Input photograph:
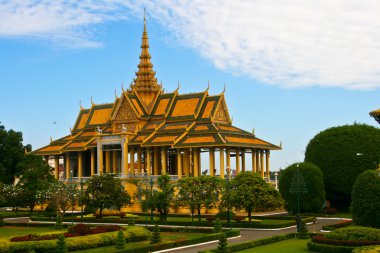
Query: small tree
(105, 191)
(61, 245)
(217, 225)
(156, 237)
(199, 192)
(165, 196)
(120, 240)
(223, 244)
(249, 191)
(35, 178)
(366, 199)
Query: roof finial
(122, 86)
(92, 102)
(80, 105)
(208, 85)
(116, 94)
(144, 21)
(224, 88)
(51, 139)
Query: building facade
(149, 132)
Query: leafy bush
(81, 229)
(120, 242)
(223, 215)
(334, 152)
(313, 200)
(366, 199)
(355, 233)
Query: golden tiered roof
(150, 117)
(376, 115)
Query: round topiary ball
(342, 153)
(313, 200)
(366, 199)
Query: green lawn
(287, 246)
(10, 231)
(165, 236)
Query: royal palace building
(147, 131)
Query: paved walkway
(247, 234)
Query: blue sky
(289, 75)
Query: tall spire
(145, 76)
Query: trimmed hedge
(321, 239)
(334, 226)
(313, 200)
(241, 224)
(365, 203)
(367, 249)
(255, 243)
(334, 152)
(78, 243)
(168, 245)
(323, 248)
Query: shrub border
(333, 226)
(325, 248)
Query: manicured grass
(342, 215)
(165, 236)
(287, 246)
(7, 232)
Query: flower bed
(131, 234)
(77, 230)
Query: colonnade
(155, 161)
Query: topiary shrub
(2, 223)
(366, 200)
(303, 233)
(355, 233)
(61, 245)
(217, 225)
(156, 237)
(120, 241)
(335, 150)
(313, 200)
(223, 244)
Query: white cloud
(292, 43)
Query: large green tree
(11, 153)
(366, 199)
(342, 153)
(311, 201)
(106, 191)
(164, 197)
(198, 192)
(35, 178)
(248, 191)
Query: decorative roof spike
(71, 131)
(253, 131)
(92, 102)
(122, 86)
(145, 76)
(224, 88)
(116, 94)
(280, 144)
(51, 139)
(80, 105)
(208, 86)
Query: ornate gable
(125, 115)
(221, 114)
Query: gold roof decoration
(376, 115)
